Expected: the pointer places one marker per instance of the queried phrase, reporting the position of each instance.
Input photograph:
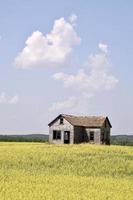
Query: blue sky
(77, 60)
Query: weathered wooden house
(69, 129)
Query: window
(61, 120)
(56, 135)
(92, 135)
(66, 135)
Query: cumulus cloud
(99, 77)
(68, 103)
(6, 99)
(76, 104)
(73, 19)
(103, 47)
(53, 48)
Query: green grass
(37, 171)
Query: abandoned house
(69, 129)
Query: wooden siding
(97, 134)
(79, 134)
(66, 126)
(106, 131)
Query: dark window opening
(92, 136)
(66, 137)
(56, 135)
(61, 120)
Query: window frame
(56, 135)
(92, 132)
(61, 120)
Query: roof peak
(97, 116)
(86, 121)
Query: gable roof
(85, 121)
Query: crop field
(38, 171)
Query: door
(66, 137)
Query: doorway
(66, 137)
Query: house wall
(78, 134)
(97, 135)
(66, 126)
(106, 131)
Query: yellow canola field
(39, 171)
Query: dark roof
(85, 121)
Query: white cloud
(103, 47)
(99, 77)
(68, 103)
(50, 49)
(6, 99)
(73, 19)
(76, 104)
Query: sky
(72, 57)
